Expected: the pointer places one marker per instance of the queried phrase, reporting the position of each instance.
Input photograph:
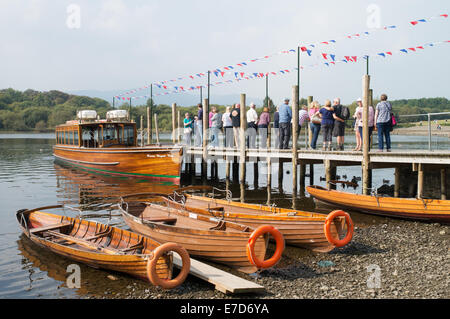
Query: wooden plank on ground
(223, 281)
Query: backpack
(345, 113)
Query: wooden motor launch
(109, 147)
(420, 209)
(204, 237)
(309, 230)
(102, 246)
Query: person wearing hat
(252, 120)
(285, 114)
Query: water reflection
(95, 192)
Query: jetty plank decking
(223, 281)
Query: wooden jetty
(223, 281)
(414, 169)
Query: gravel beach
(387, 258)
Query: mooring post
(242, 140)
(429, 131)
(310, 100)
(420, 181)
(397, 182)
(142, 131)
(366, 158)
(269, 158)
(174, 121)
(205, 120)
(302, 178)
(179, 127)
(156, 128)
(443, 184)
(311, 174)
(149, 126)
(294, 138)
(330, 173)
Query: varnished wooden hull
(223, 247)
(301, 229)
(154, 163)
(133, 262)
(406, 208)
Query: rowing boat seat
(220, 226)
(217, 208)
(164, 220)
(49, 227)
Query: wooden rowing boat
(204, 237)
(299, 228)
(408, 208)
(102, 246)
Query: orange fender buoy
(326, 228)
(157, 253)
(278, 251)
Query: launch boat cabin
(109, 146)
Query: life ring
(278, 251)
(326, 228)
(157, 253)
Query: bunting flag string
(258, 75)
(307, 48)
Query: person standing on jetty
(188, 128)
(315, 123)
(302, 118)
(252, 120)
(383, 115)
(359, 123)
(358, 117)
(227, 128)
(216, 125)
(326, 113)
(276, 126)
(199, 128)
(235, 116)
(340, 115)
(285, 124)
(263, 125)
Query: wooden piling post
(142, 131)
(269, 159)
(294, 137)
(420, 181)
(156, 129)
(179, 127)
(174, 120)
(330, 173)
(365, 137)
(311, 174)
(205, 138)
(149, 126)
(443, 184)
(242, 140)
(397, 182)
(302, 179)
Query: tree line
(32, 110)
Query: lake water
(29, 178)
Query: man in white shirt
(252, 120)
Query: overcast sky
(121, 45)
